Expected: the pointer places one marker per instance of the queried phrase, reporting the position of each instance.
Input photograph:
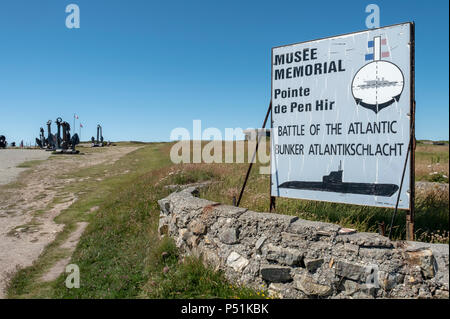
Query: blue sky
(142, 68)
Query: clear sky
(142, 68)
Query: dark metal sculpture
(49, 143)
(99, 141)
(62, 142)
(66, 144)
(3, 143)
(41, 141)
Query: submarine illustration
(333, 183)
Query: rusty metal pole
(410, 214)
(256, 150)
(272, 206)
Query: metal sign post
(410, 214)
(269, 110)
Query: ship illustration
(333, 183)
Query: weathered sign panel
(341, 116)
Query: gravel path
(23, 233)
(10, 158)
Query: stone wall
(295, 258)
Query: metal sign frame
(411, 147)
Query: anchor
(65, 144)
(99, 141)
(3, 142)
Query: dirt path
(21, 242)
(10, 158)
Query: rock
(229, 236)
(350, 287)
(441, 294)
(351, 271)
(236, 261)
(164, 204)
(272, 273)
(351, 248)
(312, 228)
(301, 259)
(387, 281)
(211, 258)
(260, 242)
(184, 234)
(424, 259)
(375, 253)
(313, 264)
(347, 231)
(197, 227)
(163, 229)
(365, 240)
(292, 239)
(441, 256)
(193, 241)
(310, 287)
(276, 290)
(285, 256)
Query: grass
(432, 163)
(188, 279)
(30, 164)
(432, 212)
(119, 254)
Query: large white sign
(341, 118)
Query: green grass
(118, 254)
(190, 279)
(432, 214)
(30, 164)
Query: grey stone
(211, 258)
(387, 281)
(260, 242)
(292, 239)
(236, 261)
(313, 264)
(424, 259)
(164, 205)
(350, 270)
(352, 248)
(317, 255)
(285, 256)
(193, 241)
(229, 236)
(441, 256)
(271, 224)
(272, 273)
(375, 253)
(312, 228)
(184, 234)
(310, 287)
(197, 227)
(350, 287)
(441, 294)
(276, 290)
(365, 240)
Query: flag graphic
(375, 45)
(76, 116)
